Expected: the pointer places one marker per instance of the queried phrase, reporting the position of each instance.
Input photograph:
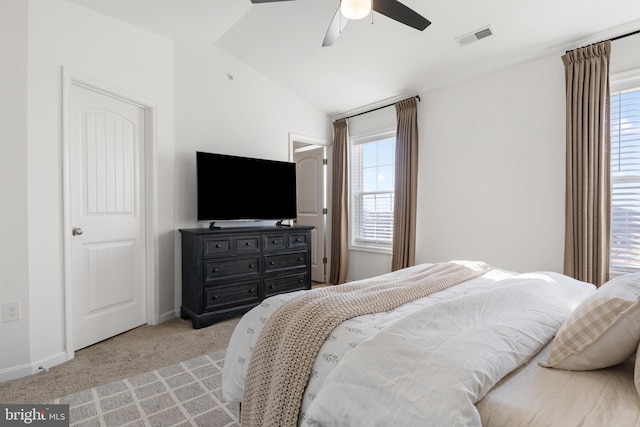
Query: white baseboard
(20, 371)
(169, 315)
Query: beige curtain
(588, 198)
(406, 183)
(339, 204)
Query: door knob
(76, 231)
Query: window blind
(625, 181)
(372, 188)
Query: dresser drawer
(218, 269)
(248, 244)
(278, 285)
(277, 262)
(233, 295)
(274, 241)
(212, 246)
(298, 240)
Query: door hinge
(325, 162)
(325, 211)
(324, 260)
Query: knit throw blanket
(287, 347)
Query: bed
(497, 348)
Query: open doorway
(310, 156)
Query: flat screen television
(244, 188)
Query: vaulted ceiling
(377, 58)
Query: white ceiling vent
(475, 36)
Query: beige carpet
(138, 351)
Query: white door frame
(327, 224)
(70, 78)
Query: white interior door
(311, 202)
(106, 192)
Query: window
(372, 188)
(625, 179)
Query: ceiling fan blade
(335, 28)
(401, 13)
(266, 1)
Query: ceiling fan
(357, 9)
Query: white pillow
(603, 330)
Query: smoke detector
(474, 36)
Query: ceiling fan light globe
(355, 9)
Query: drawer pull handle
(251, 265)
(300, 281)
(250, 291)
(298, 239)
(271, 263)
(215, 270)
(247, 244)
(271, 287)
(218, 246)
(274, 242)
(300, 259)
(214, 297)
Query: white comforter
(427, 362)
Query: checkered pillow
(603, 331)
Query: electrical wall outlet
(11, 311)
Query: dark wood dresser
(228, 271)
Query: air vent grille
(474, 36)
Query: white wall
(491, 171)
(248, 115)
(624, 54)
(492, 165)
(13, 179)
(491, 183)
(136, 61)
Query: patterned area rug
(184, 394)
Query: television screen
(244, 188)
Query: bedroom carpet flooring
(138, 351)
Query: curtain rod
(379, 108)
(632, 33)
